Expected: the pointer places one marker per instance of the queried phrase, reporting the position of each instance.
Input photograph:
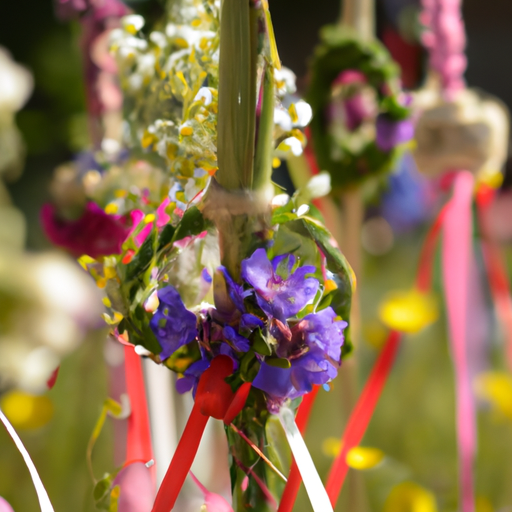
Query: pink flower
(95, 233)
(136, 488)
(214, 502)
(4, 506)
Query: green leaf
(260, 344)
(142, 259)
(249, 367)
(191, 224)
(278, 362)
(277, 446)
(166, 236)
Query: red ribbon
(362, 413)
(138, 442)
(496, 269)
(214, 397)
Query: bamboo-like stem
(360, 15)
(237, 94)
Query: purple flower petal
(236, 291)
(240, 342)
(314, 351)
(250, 322)
(391, 133)
(173, 324)
(279, 297)
(274, 381)
(257, 271)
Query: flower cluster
(270, 328)
(170, 86)
(360, 115)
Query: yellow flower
(496, 388)
(26, 411)
(408, 311)
(410, 497)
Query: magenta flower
(280, 293)
(95, 233)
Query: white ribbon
(312, 482)
(44, 500)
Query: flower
(391, 133)
(235, 290)
(280, 293)
(95, 233)
(191, 376)
(173, 324)
(4, 506)
(313, 347)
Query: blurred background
(414, 421)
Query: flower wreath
(344, 59)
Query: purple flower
(313, 347)
(95, 233)
(280, 293)
(239, 342)
(191, 377)
(173, 324)
(391, 133)
(236, 291)
(250, 322)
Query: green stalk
(265, 144)
(237, 94)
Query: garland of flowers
(249, 336)
(360, 116)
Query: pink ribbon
(457, 239)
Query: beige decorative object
(469, 133)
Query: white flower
(285, 79)
(319, 185)
(205, 94)
(133, 23)
(304, 113)
(51, 301)
(283, 119)
(158, 38)
(16, 83)
(294, 144)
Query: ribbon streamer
(457, 235)
(138, 442)
(362, 413)
(293, 484)
(496, 272)
(314, 487)
(371, 393)
(42, 495)
(181, 461)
